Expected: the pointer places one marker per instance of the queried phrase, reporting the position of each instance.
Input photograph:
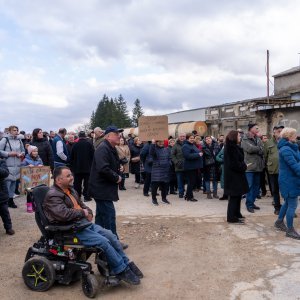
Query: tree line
(114, 111)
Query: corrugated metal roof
(288, 72)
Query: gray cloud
(196, 53)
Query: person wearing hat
(31, 159)
(105, 178)
(81, 159)
(254, 159)
(271, 157)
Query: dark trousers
(78, 179)
(106, 215)
(163, 186)
(147, 183)
(274, 187)
(199, 180)
(191, 176)
(137, 177)
(234, 208)
(263, 182)
(172, 185)
(5, 216)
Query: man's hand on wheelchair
(88, 215)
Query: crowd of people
(243, 163)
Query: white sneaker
(16, 196)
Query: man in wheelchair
(63, 206)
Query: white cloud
(29, 87)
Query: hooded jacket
(289, 169)
(12, 144)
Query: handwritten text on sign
(153, 127)
(33, 176)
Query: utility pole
(268, 80)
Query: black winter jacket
(235, 181)
(82, 155)
(135, 152)
(105, 173)
(45, 151)
(3, 174)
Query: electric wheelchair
(59, 256)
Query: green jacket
(254, 153)
(271, 156)
(177, 156)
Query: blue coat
(161, 163)
(289, 169)
(192, 159)
(28, 160)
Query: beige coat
(123, 151)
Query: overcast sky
(58, 57)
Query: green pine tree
(123, 119)
(136, 112)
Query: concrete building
(281, 108)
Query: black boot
(11, 203)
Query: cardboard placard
(33, 176)
(153, 127)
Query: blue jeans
(180, 182)
(96, 236)
(288, 209)
(11, 186)
(253, 179)
(214, 184)
(106, 215)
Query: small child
(32, 159)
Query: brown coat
(123, 151)
(59, 208)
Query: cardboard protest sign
(33, 176)
(153, 127)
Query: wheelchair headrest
(39, 194)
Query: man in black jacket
(4, 212)
(82, 155)
(104, 179)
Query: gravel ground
(186, 251)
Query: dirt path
(185, 251)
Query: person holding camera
(124, 155)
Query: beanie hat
(31, 148)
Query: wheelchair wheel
(38, 274)
(89, 285)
